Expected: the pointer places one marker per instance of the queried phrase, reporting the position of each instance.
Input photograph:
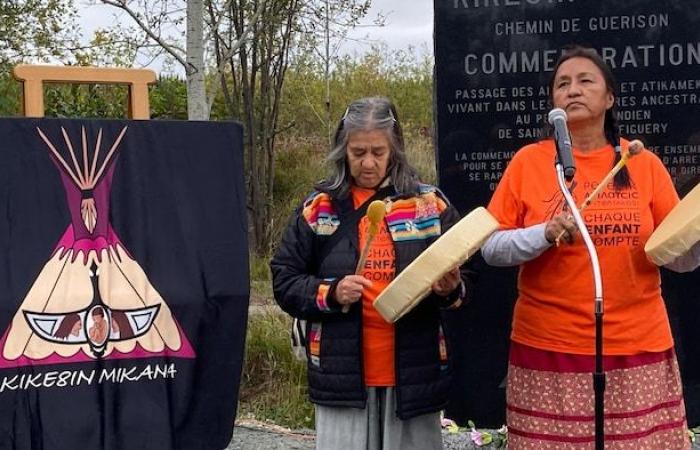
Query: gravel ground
(252, 435)
(250, 438)
(254, 438)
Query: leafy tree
(46, 31)
(108, 48)
(85, 100)
(405, 76)
(169, 99)
(325, 26)
(10, 95)
(252, 89)
(162, 25)
(36, 30)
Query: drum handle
(375, 215)
(361, 261)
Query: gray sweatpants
(376, 427)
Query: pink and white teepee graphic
(91, 299)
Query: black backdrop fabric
(492, 59)
(178, 207)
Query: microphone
(557, 119)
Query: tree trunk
(197, 107)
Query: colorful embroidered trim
(315, 343)
(322, 295)
(416, 218)
(320, 215)
(442, 345)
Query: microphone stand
(599, 374)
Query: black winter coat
(302, 283)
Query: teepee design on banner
(91, 299)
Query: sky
(408, 23)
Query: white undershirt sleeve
(514, 247)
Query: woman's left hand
(448, 283)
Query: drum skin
(450, 250)
(678, 232)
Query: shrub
(273, 386)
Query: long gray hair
(369, 114)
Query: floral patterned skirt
(550, 401)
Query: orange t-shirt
(377, 334)
(555, 305)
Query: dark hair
(66, 325)
(122, 322)
(622, 178)
(367, 114)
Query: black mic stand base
(599, 382)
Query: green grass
(273, 387)
(420, 154)
(260, 279)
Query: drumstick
(635, 148)
(375, 215)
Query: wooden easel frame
(33, 78)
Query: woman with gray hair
(376, 385)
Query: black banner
(123, 283)
(493, 62)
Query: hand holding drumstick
(635, 147)
(349, 289)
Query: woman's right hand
(564, 221)
(349, 289)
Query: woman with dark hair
(376, 385)
(70, 325)
(549, 385)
